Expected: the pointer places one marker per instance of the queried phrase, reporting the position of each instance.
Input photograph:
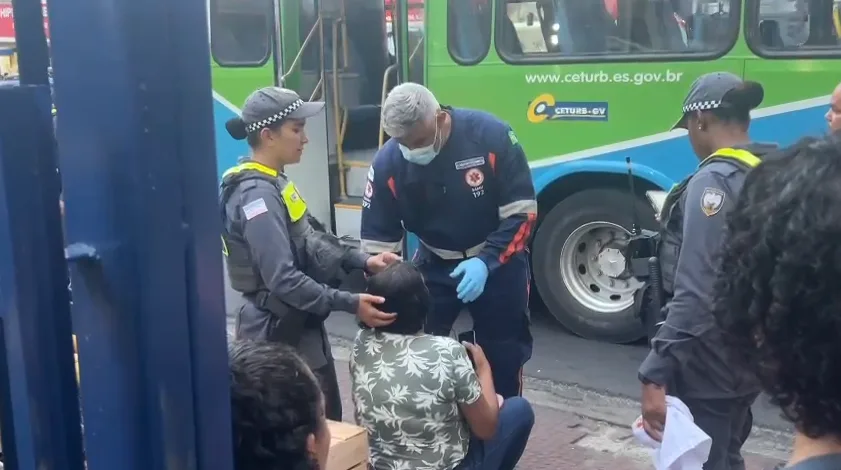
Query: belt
(471, 252)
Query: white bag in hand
(685, 446)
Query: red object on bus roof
(612, 7)
(7, 21)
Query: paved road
(563, 364)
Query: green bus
(584, 83)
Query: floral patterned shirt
(407, 390)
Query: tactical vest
(671, 217)
(314, 249)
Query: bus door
(299, 32)
(336, 51)
(409, 30)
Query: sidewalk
(561, 441)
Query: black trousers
(728, 422)
(330, 387)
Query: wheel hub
(611, 262)
(591, 267)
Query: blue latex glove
(474, 275)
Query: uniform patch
(712, 200)
(513, 138)
(369, 190)
(474, 177)
(254, 208)
(371, 173)
(470, 163)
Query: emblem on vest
(712, 200)
(475, 179)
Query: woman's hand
(479, 358)
(370, 315)
(378, 263)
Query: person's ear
(701, 121)
(266, 135)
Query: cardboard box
(348, 447)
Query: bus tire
(572, 270)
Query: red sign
(7, 21)
(415, 15)
(415, 10)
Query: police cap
(720, 90)
(270, 105)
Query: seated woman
(277, 409)
(413, 392)
(779, 300)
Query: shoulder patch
(371, 173)
(254, 208)
(712, 200)
(513, 138)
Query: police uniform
(475, 199)
(283, 261)
(688, 355)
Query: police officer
(459, 180)
(283, 261)
(688, 357)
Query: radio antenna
(633, 200)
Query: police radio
(642, 263)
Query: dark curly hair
(275, 405)
(778, 296)
(405, 293)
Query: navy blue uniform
(475, 199)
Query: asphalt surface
(561, 361)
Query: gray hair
(406, 105)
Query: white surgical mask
(421, 155)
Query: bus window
(241, 32)
(468, 30)
(798, 28)
(554, 30)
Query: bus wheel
(577, 265)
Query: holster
(653, 298)
(325, 258)
(286, 324)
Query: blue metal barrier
(132, 88)
(40, 425)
